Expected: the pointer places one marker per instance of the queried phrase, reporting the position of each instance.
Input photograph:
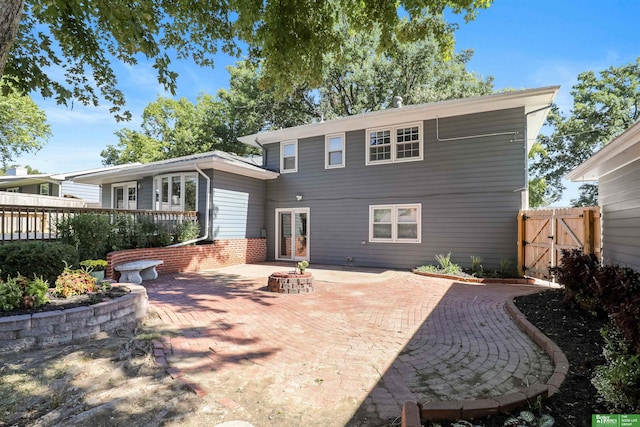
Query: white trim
(293, 142)
(329, 137)
(394, 143)
(394, 223)
(46, 185)
(293, 212)
(126, 185)
(618, 153)
(158, 178)
(530, 99)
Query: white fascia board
(530, 99)
(618, 153)
(140, 171)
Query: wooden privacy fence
(542, 234)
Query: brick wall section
(49, 328)
(221, 253)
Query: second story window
(334, 151)
(400, 143)
(288, 156)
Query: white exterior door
(292, 234)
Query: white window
(44, 189)
(334, 151)
(395, 223)
(13, 190)
(177, 192)
(400, 143)
(288, 156)
(125, 195)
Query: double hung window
(400, 143)
(395, 223)
(288, 156)
(334, 151)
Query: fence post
(521, 230)
(588, 245)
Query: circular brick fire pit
(290, 283)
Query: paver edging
(444, 410)
(47, 328)
(513, 281)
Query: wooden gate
(542, 234)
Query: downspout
(264, 154)
(207, 214)
(525, 188)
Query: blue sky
(522, 43)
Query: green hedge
(42, 259)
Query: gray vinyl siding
(54, 190)
(145, 193)
(619, 196)
(88, 192)
(237, 206)
(469, 190)
(106, 196)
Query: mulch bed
(56, 303)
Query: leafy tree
(83, 38)
(604, 105)
(174, 128)
(23, 127)
(358, 80)
(355, 82)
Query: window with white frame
(395, 223)
(125, 195)
(13, 190)
(400, 143)
(288, 156)
(176, 192)
(43, 189)
(334, 151)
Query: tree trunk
(10, 14)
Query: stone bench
(137, 271)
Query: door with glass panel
(125, 196)
(292, 234)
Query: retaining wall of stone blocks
(49, 328)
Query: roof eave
(140, 171)
(618, 153)
(530, 99)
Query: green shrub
(187, 230)
(21, 292)
(74, 282)
(10, 295)
(90, 234)
(618, 382)
(445, 266)
(39, 259)
(94, 264)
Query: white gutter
(206, 233)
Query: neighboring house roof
(217, 160)
(620, 152)
(534, 102)
(7, 181)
